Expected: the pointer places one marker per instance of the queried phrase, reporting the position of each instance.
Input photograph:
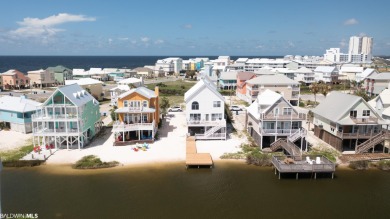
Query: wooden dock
(345, 158)
(291, 164)
(193, 158)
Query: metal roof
(18, 104)
(202, 83)
(76, 94)
(272, 80)
(141, 90)
(228, 75)
(83, 81)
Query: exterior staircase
(370, 143)
(288, 144)
(211, 133)
(301, 133)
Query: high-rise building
(360, 45)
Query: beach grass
(93, 162)
(16, 154)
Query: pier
(305, 164)
(193, 158)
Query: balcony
(45, 131)
(356, 135)
(300, 116)
(368, 120)
(285, 132)
(221, 122)
(118, 127)
(48, 117)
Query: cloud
(123, 38)
(159, 42)
(110, 41)
(187, 26)
(351, 21)
(259, 47)
(343, 43)
(145, 39)
(46, 27)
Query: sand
(169, 148)
(10, 140)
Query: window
(195, 117)
(145, 103)
(276, 111)
(366, 112)
(287, 111)
(144, 118)
(217, 103)
(353, 113)
(216, 116)
(135, 104)
(195, 106)
(125, 103)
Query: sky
(202, 27)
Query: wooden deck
(193, 158)
(300, 165)
(367, 156)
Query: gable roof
(368, 72)
(58, 68)
(325, 69)
(18, 104)
(228, 75)
(202, 84)
(83, 81)
(278, 79)
(140, 90)
(351, 69)
(244, 75)
(76, 94)
(381, 76)
(11, 72)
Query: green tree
(190, 73)
(164, 105)
(325, 89)
(315, 88)
(363, 94)
(112, 113)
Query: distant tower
(360, 45)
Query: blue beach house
(15, 113)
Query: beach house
(349, 72)
(376, 83)
(228, 80)
(14, 79)
(69, 118)
(137, 116)
(242, 77)
(41, 78)
(327, 74)
(348, 122)
(61, 74)
(15, 113)
(205, 111)
(287, 87)
(272, 117)
(124, 86)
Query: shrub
(384, 165)
(259, 159)
(237, 156)
(301, 104)
(93, 162)
(15, 155)
(359, 165)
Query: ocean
(29, 63)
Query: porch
(364, 131)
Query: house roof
(228, 75)
(264, 71)
(242, 60)
(11, 72)
(130, 81)
(83, 81)
(76, 94)
(243, 75)
(381, 76)
(272, 80)
(385, 96)
(121, 87)
(351, 69)
(368, 72)
(143, 69)
(140, 90)
(58, 68)
(304, 70)
(325, 69)
(18, 104)
(40, 71)
(202, 83)
(340, 102)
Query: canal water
(230, 190)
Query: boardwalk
(196, 159)
(360, 157)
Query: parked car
(175, 109)
(235, 108)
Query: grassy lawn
(14, 155)
(172, 88)
(175, 100)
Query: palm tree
(325, 89)
(315, 88)
(164, 105)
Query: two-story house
(347, 122)
(137, 116)
(15, 112)
(376, 83)
(271, 117)
(69, 118)
(228, 80)
(14, 79)
(92, 86)
(327, 74)
(205, 111)
(61, 74)
(242, 77)
(41, 78)
(288, 88)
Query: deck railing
(117, 127)
(298, 166)
(279, 131)
(221, 122)
(300, 116)
(42, 129)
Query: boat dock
(305, 164)
(193, 158)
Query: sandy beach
(170, 147)
(10, 140)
